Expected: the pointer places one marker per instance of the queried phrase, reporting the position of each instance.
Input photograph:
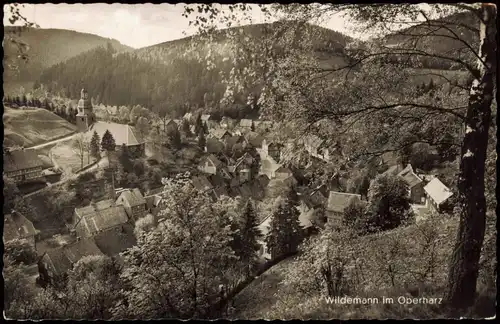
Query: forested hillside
(174, 75)
(46, 47)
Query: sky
(136, 25)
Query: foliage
(10, 193)
(202, 141)
(95, 150)
(174, 137)
(285, 234)
(175, 270)
(354, 215)
(20, 251)
(388, 204)
(108, 142)
(247, 236)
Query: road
(53, 142)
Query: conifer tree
(286, 232)
(186, 128)
(247, 245)
(174, 138)
(94, 146)
(201, 139)
(108, 142)
(205, 128)
(198, 124)
(252, 128)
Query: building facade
(85, 116)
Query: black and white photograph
(246, 161)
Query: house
(134, 203)
(415, 185)
(393, 170)
(227, 123)
(189, 117)
(246, 123)
(22, 165)
(437, 195)
(169, 125)
(337, 203)
(208, 120)
(271, 148)
(220, 134)
(254, 139)
(231, 141)
(17, 226)
(210, 164)
(268, 167)
(201, 183)
(116, 240)
(55, 264)
(243, 168)
(283, 173)
(316, 147)
(98, 217)
(123, 135)
(153, 200)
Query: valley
(251, 172)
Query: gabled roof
(94, 207)
(283, 169)
(216, 180)
(393, 170)
(409, 176)
(438, 191)
(115, 241)
(133, 196)
(214, 160)
(246, 123)
(205, 117)
(122, 133)
(20, 160)
(219, 133)
(103, 219)
(254, 139)
(64, 257)
(233, 140)
(313, 141)
(201, 183)
(188, 116)
(17, 226)
(338, 201)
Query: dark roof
(313, 141)
(103, 219)
(16, 226)
(20, 160)
(220, 191)
(134, 197)
(393, 170)
(233, 140)
(94, 207)
(409, 176)
(254, 139)
(338, 201)
(217, 180)
(64, 257)
(116, 240)
(201, 183)
(212, 158)
(263, 180)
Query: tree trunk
(463, 272)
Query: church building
(123, 134)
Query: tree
(198, 124)
(10, 194)
(186, 258)
(286, 232)
(80, 147)
(142, 126)
(388, 204)
(248, 236)
(125, 159)
(124, 113)
(354, 215)
(477, 58)
(20, 251)
(174, 138)
(139, 168)
(95, 150)
(201, 140)
(205, 128)
(186, 128)
(108, 142)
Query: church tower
(85, 116)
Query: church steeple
(85, 116)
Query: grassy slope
(279, 298)
(32, 127)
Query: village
(233, 158)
